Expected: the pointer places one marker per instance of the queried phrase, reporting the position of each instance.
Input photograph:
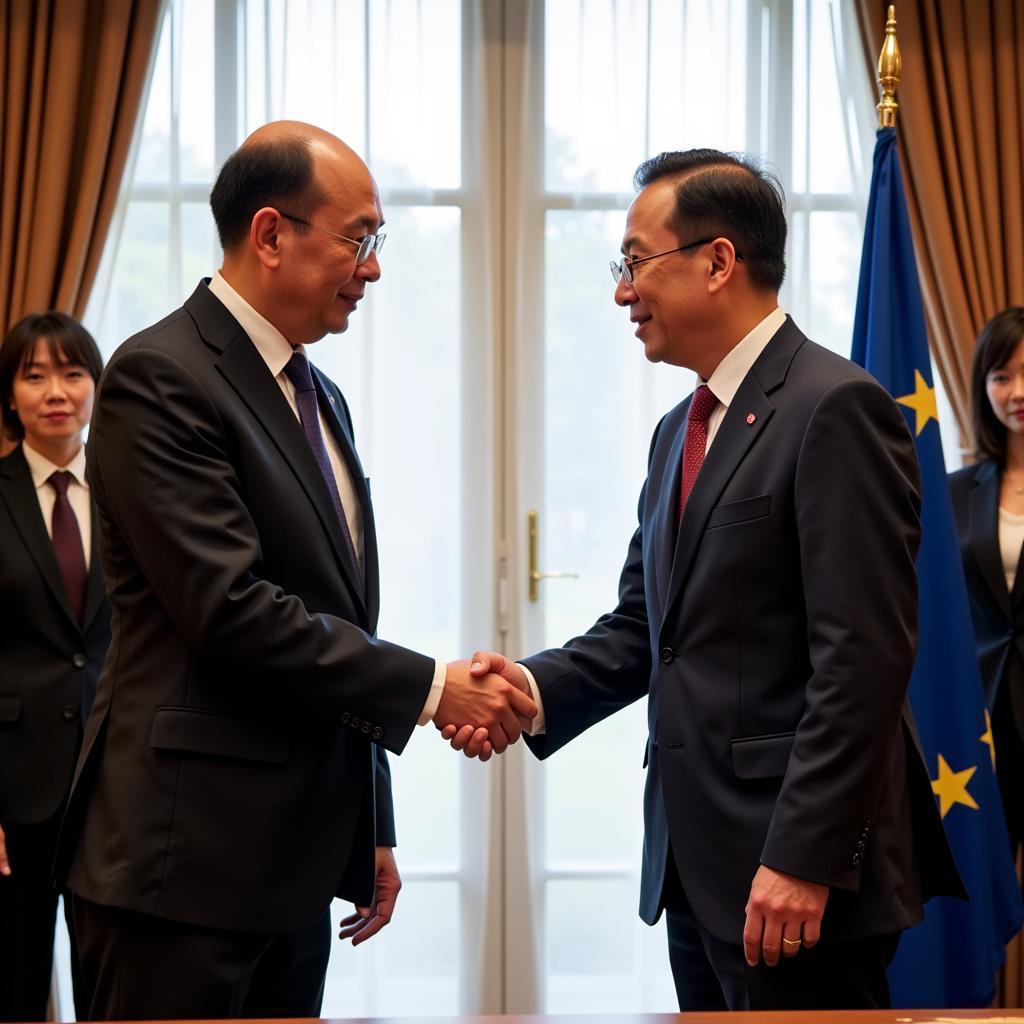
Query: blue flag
(951, 958)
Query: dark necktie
(297, 371)
(701, 407)
(67, 542)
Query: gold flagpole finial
(890, 66)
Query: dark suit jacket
(997, 613)
(233, 773)
(49, 662)
(774, 631)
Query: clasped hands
(485, 705)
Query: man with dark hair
(768, 610)
(233, 778)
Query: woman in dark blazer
(988, 502)
(54, 631)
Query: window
(490, 372)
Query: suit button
(70, 712)
(378, 733)
(366, 728)
(345, 718)
(78, 661)
(667, 655)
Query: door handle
(535, 575)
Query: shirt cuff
(434, 697)
(537, 727)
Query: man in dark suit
(234, 777)
(768, 610)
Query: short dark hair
(727, 194)
(263, 173)
(69, 343)
(996, 343)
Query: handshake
(485, 705)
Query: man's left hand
(367, 921)
(781, 907)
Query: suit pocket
(194, 731)
(10, 709)
(742, 511)
(762, 757)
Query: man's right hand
(483, 704)
(5, 864)
(475, 742)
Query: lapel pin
(330, 398)
(750, 418)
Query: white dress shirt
(42, 469)
(724, 383)
(276, 350)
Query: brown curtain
(72, 74)
(961, 134)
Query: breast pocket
(732, 513)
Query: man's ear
(722, 265)
(265, 238)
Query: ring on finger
(792, 943)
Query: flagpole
(890, 67)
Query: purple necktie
(701, 407)
(67, 542)
(297, 371)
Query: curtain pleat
(960, 125)
(72, 74)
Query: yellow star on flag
(922, 401)
(951, 787)
(988, 739)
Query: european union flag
(951, 958)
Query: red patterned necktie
(696, 442)
(67, 542)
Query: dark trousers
(28, 919)
(139, 967)
(712, 975)
(697, 984)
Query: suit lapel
(338, 426)
(244, 369)
(667, 521)
(94, 588)
(744, 421)
(19, 493)
(983, 533)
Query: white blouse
(1011, 539)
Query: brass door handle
(535, 574)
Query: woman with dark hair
(988, 502)
(54, 631)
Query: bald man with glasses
(234, 778)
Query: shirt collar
(729, 373)
(272, 345)
(42, 468)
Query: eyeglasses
(624, 268)
(364, 245)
